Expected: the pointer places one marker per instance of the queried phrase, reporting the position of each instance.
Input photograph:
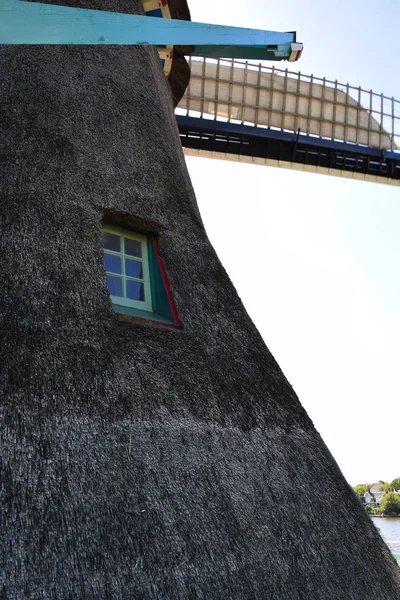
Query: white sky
(315, 258)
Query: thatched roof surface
(139, 462)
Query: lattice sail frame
(262, 96)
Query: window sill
(145, 316)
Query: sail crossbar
(45, 24)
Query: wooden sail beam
(45, 24)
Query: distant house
(373, 496)
(375, 493)
(370, 499)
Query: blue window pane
(111, 242)
(133, 268)
(135, 290)
(114, 285)
(133, 248)
(112, 263)
(156, 12)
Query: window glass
(133, 268)
(135, 290)
(133, 247)
(114, 285)
(112, 241)
(113, 263)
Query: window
(135, 276)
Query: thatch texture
(140, 462)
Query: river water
(389, 528)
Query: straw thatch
(142, 462)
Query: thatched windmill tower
(149, 450)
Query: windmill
(151, 446)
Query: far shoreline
(385, 516)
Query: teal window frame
(157, 304)
(124, 257)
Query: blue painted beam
(278, 52)
(36, 23)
